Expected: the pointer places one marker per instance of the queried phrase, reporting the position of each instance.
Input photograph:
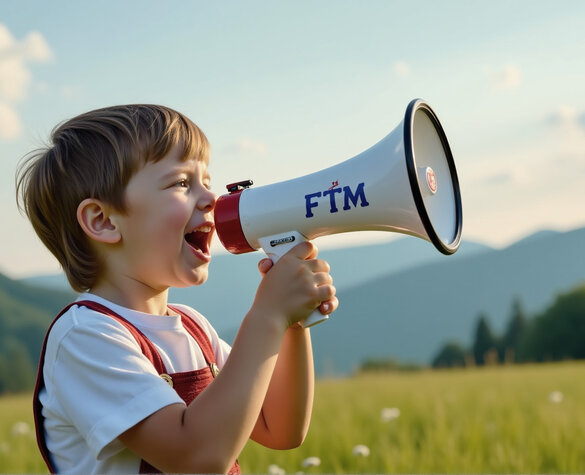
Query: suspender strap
(146, 346)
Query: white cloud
(35, 48)
(508, 77)
(10, 126)
(499, 178)
(15, 75)
(401, 68)
(245, 145)
(70, 93)
(563, 115)
(567, 118)
(15, 79)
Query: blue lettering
(349, 196)
(331, 194)
(310, 204)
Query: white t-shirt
(98, 383)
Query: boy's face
(168, 225)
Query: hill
(233, 280)
(25, 313)
(409, 315)
(402, 299)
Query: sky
(287, 88)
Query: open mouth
(200, 238)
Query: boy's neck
(141, 299)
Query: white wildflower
(274, 469)
(311, 462)
(389, 413)
(556, 397)
(361, 451)
(20, 429)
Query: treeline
(556, 334)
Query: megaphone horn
(406, 183)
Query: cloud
(244, 145)
(501, 178)
(563, 114)
(70, 93)
(15, 75)
(10, 126)
(566, 118)
(15, 79)
(33, 48)
(506, 78)
(401, 68)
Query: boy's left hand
(326, 307)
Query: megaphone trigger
(278, 245)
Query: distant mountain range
(411, 314)
(402, 299)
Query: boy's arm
(286, 412)
(208, 435)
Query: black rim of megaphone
(415, 105)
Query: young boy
(128, 382)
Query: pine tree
(484, 341)
(514, 332)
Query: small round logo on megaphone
(431, 180)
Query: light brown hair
(94, 155)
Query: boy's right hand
(295, 286)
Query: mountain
(46, 300)
(411, 314)
(229, 291)
(403, 299)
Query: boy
(127, 382)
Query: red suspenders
(188, 384)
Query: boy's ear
(94, 218)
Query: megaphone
(406, 183)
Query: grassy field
(513, 419)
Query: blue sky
(285, 88)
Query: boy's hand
(308, 281)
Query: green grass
(490, 420)
(18, 446)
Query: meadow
(501, 419)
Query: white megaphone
(406, 183)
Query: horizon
(285, 89)
(391, 237)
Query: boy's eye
(183, 183)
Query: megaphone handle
(278, 245)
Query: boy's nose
(207, 201)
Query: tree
(514, 333)
(484, 341)
(451, 355)
(559, 333)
